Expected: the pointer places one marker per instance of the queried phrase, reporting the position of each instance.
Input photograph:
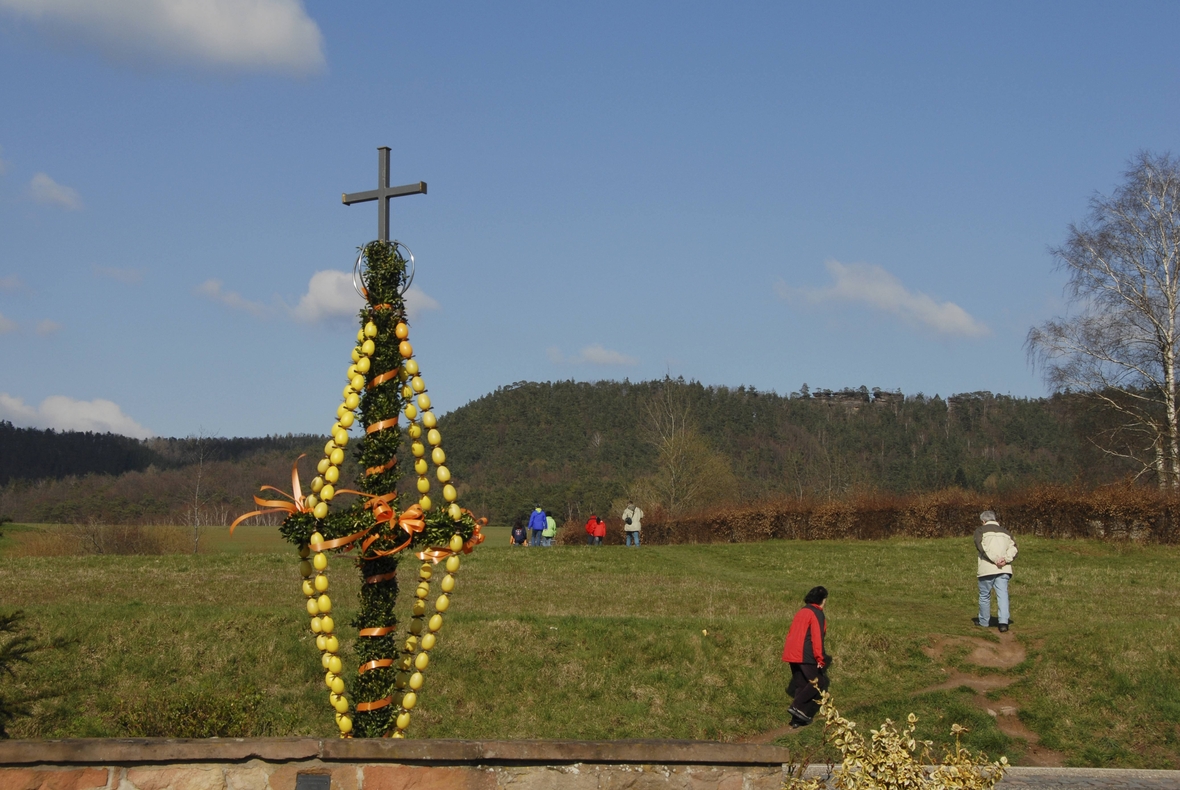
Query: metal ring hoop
(358, 280)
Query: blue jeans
(633, 536)
(999, 583)
(536, 539)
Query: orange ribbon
(384, 577)
(376, 470)
(338, 542)
(381, 426)
(277, 505)
(376, 663)
(365, 706)
(438, 554)
(410, 521)
(382, 631)
(384, 377)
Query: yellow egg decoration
(366, 378)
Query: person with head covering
(537, 525)
(804, 651)
(550, 530)
(996, 549)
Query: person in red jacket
(593, 534)
(599, 531)
(804, 651)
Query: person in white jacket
(996, 549)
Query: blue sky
(759, 194)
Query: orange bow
(296, 505)
(439, 553)
(410, 521)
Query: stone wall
(277, 763)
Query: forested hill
(33, 454)
(579, 446)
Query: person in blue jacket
(537, 525)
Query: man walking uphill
(804, 651)
(996, 550)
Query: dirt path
(1005, 654)
(986, 654)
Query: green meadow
(611, 642)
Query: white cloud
(873, 286)
(9, 283)
(593, 354)
(47, 327)
(241, 35)
(418, 302)
(330, 294)
(597, 355)
(6, 324)
(213, 290)
(45, 190)
(125, 276)
(63, 413)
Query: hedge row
(1114, 513)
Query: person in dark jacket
(804, 651)
(520, 533)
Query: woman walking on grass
(804, 651)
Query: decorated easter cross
(383, 380)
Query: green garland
(381, 403)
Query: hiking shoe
(980, 623)
(798, 716)
(1003, 628)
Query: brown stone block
(412, 777)
(543, 777)
(641, 777)
(254, 775)
(757, 778)
(49, 779)
(178, 777)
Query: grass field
(609, 642)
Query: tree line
(578, 447)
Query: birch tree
(1119, 343)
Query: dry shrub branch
(1125, 512)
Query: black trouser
(801, 689)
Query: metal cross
(383, 193)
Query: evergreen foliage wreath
(384, 382)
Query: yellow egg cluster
(319, 606)
(323, 487)
(423, 424)
(415, 653)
